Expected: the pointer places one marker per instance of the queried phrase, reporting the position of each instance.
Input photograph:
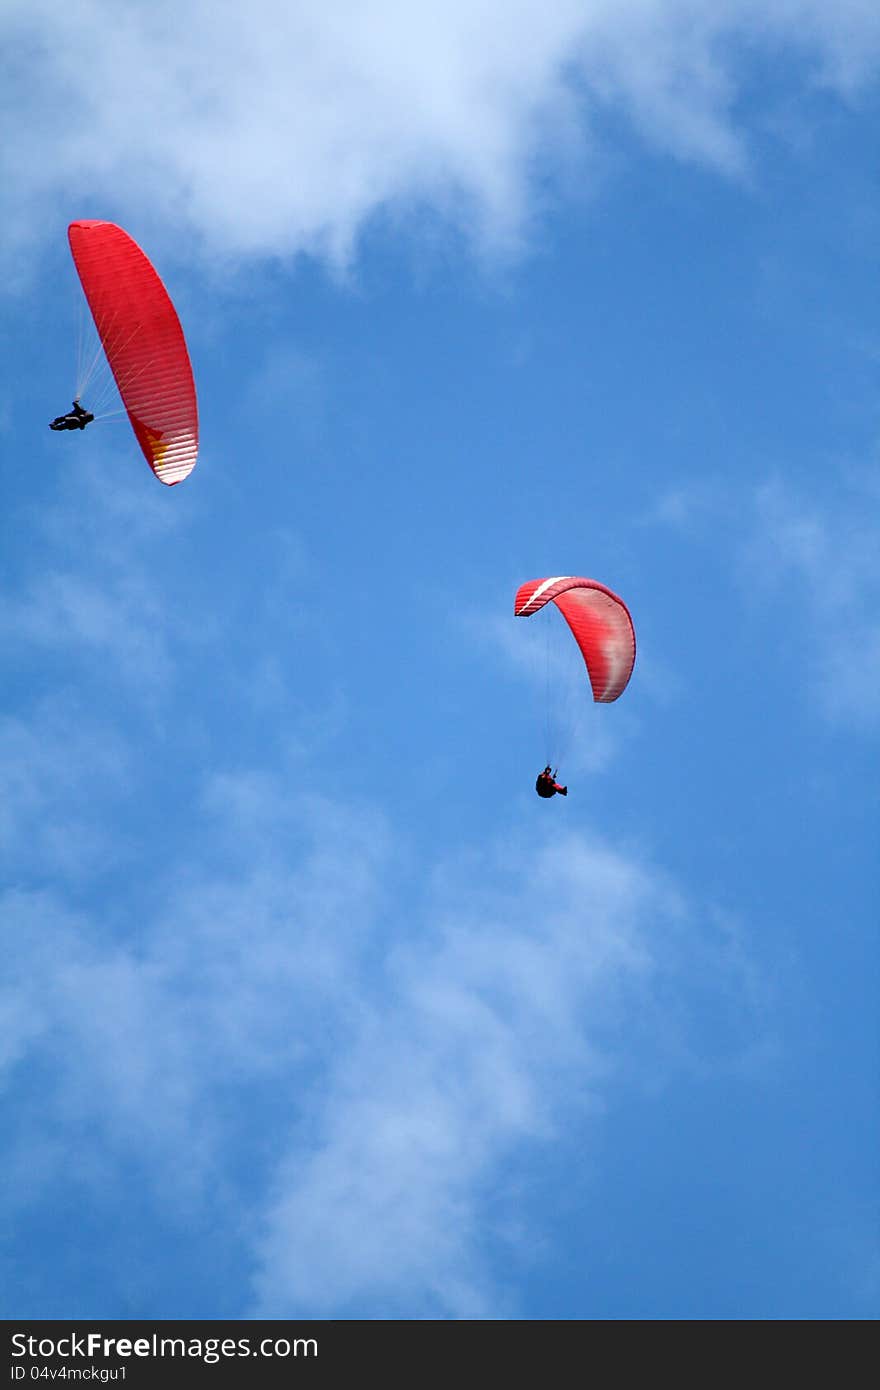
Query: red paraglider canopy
(599, 621)
(143, 340)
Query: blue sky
(309, 1006)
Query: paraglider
(602, 628)
(144, 345)
(546, 784)
(75, 419)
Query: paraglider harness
(76, 419)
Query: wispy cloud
(828, 558)
(85, 586)
(814, 557)
(61, 609)
(59, 770)
(276, 128)
(142, 1018)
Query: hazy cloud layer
(408, 1054)
(277, 127)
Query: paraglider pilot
(76, 419)
(546, 784)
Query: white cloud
(278, 127)
(490, 1033)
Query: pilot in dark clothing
(76, 419)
